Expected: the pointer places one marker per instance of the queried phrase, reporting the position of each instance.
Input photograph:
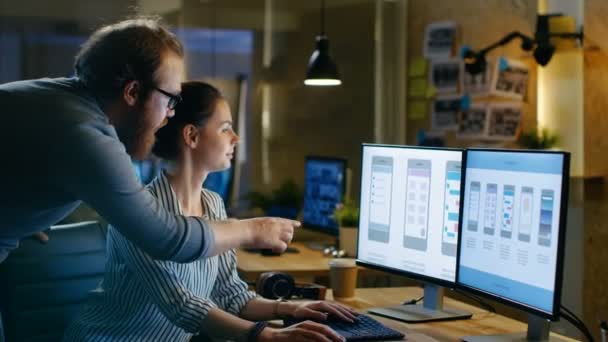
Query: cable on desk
(572, 314)
(576, 322)
(412, 301)
(483, 303)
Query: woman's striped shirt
(142, 299)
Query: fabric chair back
(42, 286)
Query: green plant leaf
(347, 214)
(288, 194)
(538, 139)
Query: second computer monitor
(513, 219)
(324, 188)
(409, 211)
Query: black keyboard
(364, 328)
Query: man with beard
(67, 140)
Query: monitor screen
(513, 217)
(147, 169)
(220, 182)
(324, 187)
(410, 199)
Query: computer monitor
(324, 187)
(408, 223)
(220, 182)
(148, 169)
(513, 221)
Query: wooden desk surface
(307, 263)
(482, 322)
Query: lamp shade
(543, 53)
(322, 70)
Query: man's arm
(263, 232)
(92, 165)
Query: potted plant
(347, 217)
(538, 139)
(285, 201)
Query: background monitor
(513, 228)
(408, 221)
(220, 182)
(148, 169)
(324, 187)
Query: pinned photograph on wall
(445, 113)
(504, 121)
(446, 75)
(439, 39)
(479, 84)
(473, 122)
(510, 78)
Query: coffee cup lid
(342, 262)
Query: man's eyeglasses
(173, 99)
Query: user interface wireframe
(410, 202)
(516, 197)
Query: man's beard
(137, 134)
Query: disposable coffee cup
(343, 277)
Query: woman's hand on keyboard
(304, 331)
(319, 310)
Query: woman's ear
(130, 92)
(190, 135)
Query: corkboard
(595, 87)
(595, 291)
(481, 23)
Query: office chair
(42, 286)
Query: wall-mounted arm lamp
(475, 62)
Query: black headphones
(278, 285)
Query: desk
(482, 322)
(303, 266)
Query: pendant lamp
(322, 70)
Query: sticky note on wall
(417, 87)
(416, 109)
(417, 67)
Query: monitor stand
(430, 310)
(538, 330)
